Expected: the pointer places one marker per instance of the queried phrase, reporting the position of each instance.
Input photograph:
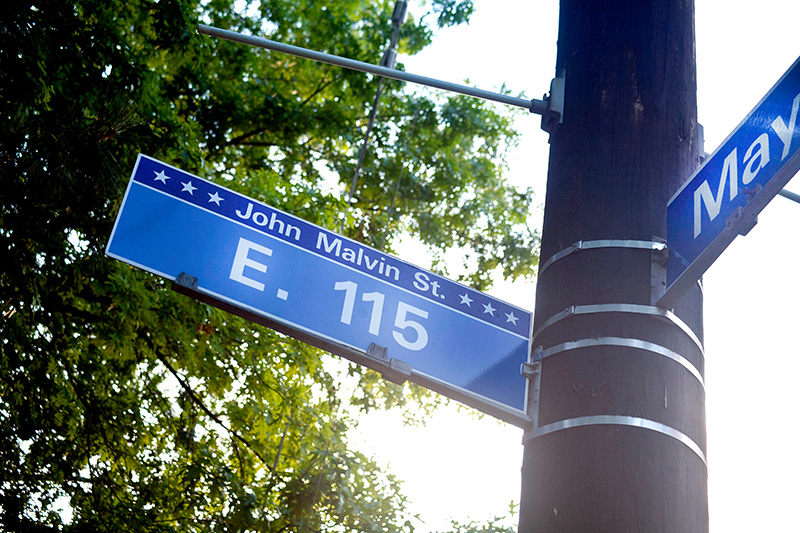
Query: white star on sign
(188, 187)
(511, 318)
(465, 299)
(160, 176)
(487, 308)
(214, 198)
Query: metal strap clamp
(648, 310)
(607, 243)
(538, 355)
(617, 420)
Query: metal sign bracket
(533, 373)
(554, 115)
(658, 270)
(396, 371)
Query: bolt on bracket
(396, 371)
(185, 280)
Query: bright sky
(470, 469)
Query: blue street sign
(318, 284)
(722, 199)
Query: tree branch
(207, 411)
(255, 144)
(283, 439)
(321, 86)
(238, 458)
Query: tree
(137, 409)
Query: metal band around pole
(649, 310)
(540, 107)
(621, 342)
(593, 245)
(617, 420)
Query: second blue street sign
(325, 289)
(722, 199)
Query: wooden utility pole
(617, 395)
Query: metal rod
(362, 153)
(790, 195)
(389, 60)
(534, 106)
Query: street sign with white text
(723, 198)
(318, 285)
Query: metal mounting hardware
(701, 144)
(185, 280)
(533, 373)
(395, 370)
(741, 221)
(658, 271)
(398, 371)
(534, 106)
(607, 243)
(399, 13)
(389, 58)
(378, 352)
(531, 370)
(616, 420)
(648, 310)
(554, 115)
(790, 195)
(621, 342)
(658, 279)
(660, 255)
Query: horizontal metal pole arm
(534, 106)
(790, 195)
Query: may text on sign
(322, 286)
(723, 198)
